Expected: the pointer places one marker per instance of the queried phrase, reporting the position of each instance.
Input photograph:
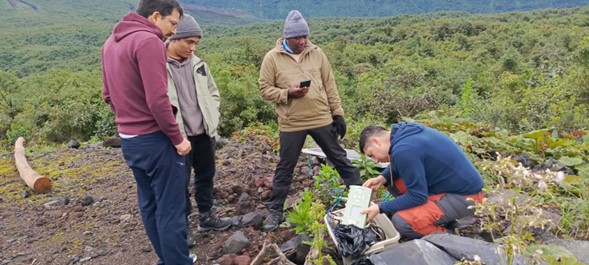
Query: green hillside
(450, 63)
(381, 8)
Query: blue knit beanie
(295, 25)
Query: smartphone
(305, 83)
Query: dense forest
(517, 71)
(381, 8)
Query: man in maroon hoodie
(135, 85)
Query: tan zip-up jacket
(280, 71)
(207, 95)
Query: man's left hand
(340, 125)
(371, 212)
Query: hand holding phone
(305, 83)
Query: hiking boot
(212, 222)
(273, 221)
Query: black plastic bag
(362, 261)
(352, 241)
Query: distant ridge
(264, 9)
(14, 3)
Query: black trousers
(202, 160)
(291, 144)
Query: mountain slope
(378, 8)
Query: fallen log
(35, 181)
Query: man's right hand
(375, 183)
(183, 148)
(297, 92)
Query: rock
(125, 217)
(113, 142)
(577, 247)
(73, 144)
(295, 249)
(57, 202)
(82, 260)
(227, 259)
(245, 204)
(554, 254)
(421, 253)
(554, 165)
(146, 249)
(242, 260)
(235, 243)
(87, 201)
(265, 194)
(472, 249)
(524, 160)
(221, 142)
(237, 189)
(463, 247)
(25, 194)
(75, 216)
(253, 219)
(306, 171)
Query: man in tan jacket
(303, 109)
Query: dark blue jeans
(159, 172)
(291, 144)
(202, 160)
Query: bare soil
(91, 216)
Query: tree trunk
(35, 181)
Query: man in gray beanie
(192, 90)
(296, 75)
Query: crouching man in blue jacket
(432, 179)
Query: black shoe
(212, 222)
(273, 221)
(191, 241)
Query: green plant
(515, 214)
(301, 216)
(317, 228)
(328, 185)
(367, 167)
(307, 218)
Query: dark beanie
(187, 27)
(295, 25)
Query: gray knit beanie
(187, 28)
(295, 25)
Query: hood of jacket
(399, 131)
(132, 23)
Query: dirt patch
(91, 215)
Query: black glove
(340, 125)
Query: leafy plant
(301, 215)
(318, 228)
(328, 185)
(367, 167)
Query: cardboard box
(381, 220)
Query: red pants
(431, 217)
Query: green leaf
(572, 179)
(571, 161)
(583, 170)
(536, 134)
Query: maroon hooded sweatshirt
(135, 81)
